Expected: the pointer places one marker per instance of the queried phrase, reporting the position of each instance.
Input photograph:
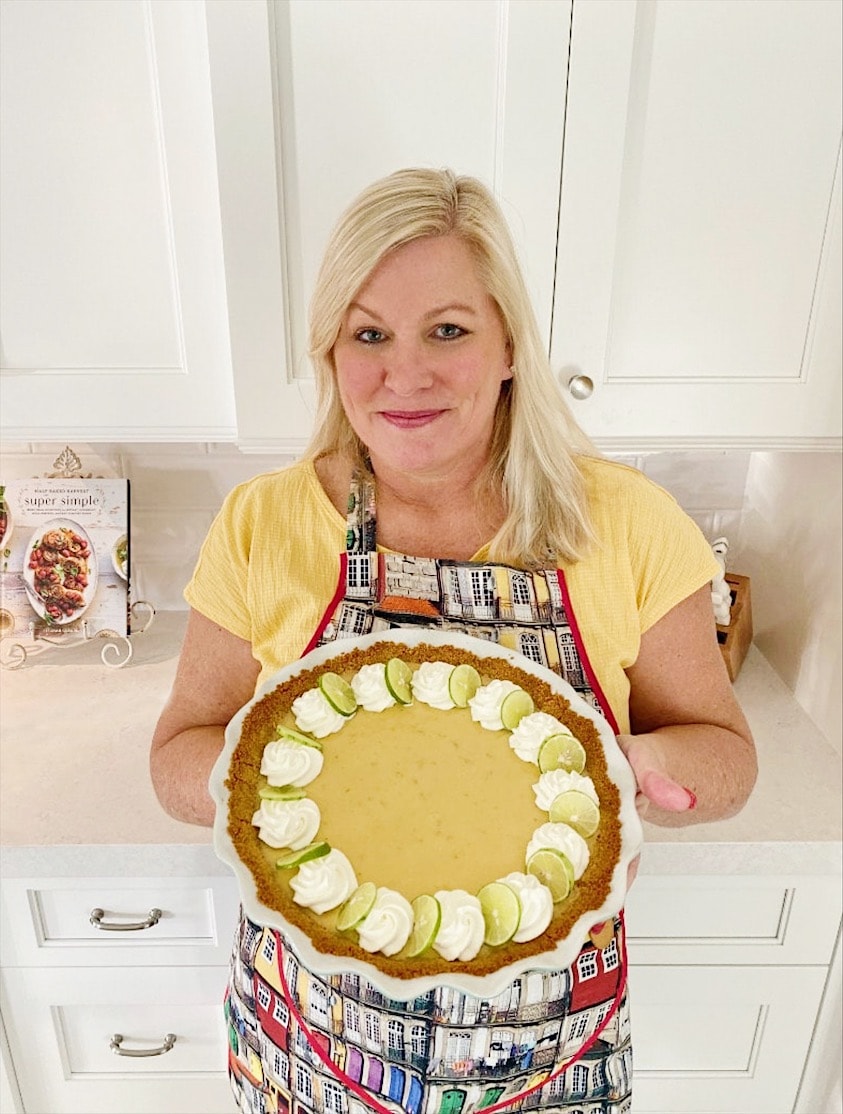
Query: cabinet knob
(580, 386)
(117, 1040)
(96, 918)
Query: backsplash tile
(165, 546)
(701, 481)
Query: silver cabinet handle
(580, 386)
(117, 1040)
(97, 921)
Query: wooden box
(734, 640)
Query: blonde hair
(536, 442)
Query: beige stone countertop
(75, 794)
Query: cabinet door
(360, 90)
(61, 1024)
(721, 1040)
(113, 314)
(698, 284)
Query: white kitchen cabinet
(727, 978)
(699, 277)
(113, 312)
(157, 970)
(234, 134)
(712, 1040)
(159, 922)
(65, 1022)
(170, 181)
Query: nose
(405, 369)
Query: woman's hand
(655, 786)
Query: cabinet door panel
(741, 920)
(361, 90)
(49, 923)
(62, 1023)
(113, 312)
(711, 1040)
(699, 251)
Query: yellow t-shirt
(269, 567)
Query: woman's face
(420, 359)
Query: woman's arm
(216, 676)
(691, 748)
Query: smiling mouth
(410, 419)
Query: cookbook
(64, 548)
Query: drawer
(721, 920)
(139, 921)
(61, 1023)
(715, 1040)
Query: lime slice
(358, 906)
(516, 705)
(339, 693)
(501, 912)
(552, 868)
(304, 855)
(280, 793)
(561, 752)
(397, 675)
(577, 810)
(427, 916)
(293, 736)
(463, 683)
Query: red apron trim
(330, 610)
(581, 650)
(369, 1098)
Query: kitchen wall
(790, 543)
(780, 511)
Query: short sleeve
(219, 586)
(669, 554)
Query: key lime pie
(422, 807)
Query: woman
(438, 411)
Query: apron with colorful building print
(553, 1040)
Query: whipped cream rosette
(288, 763)
(291, 824)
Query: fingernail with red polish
(692, 797)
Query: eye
(448, 331)
(369, 336)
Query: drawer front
(715, 1040)
(62, 1023)
(138, 921)
(721, 920)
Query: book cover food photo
(64, 545)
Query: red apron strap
(330, 610)
(583, 654)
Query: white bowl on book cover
(121, 547)
(563, 953)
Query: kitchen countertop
(75, 794)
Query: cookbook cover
(64, 545)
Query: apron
(302, 1044)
